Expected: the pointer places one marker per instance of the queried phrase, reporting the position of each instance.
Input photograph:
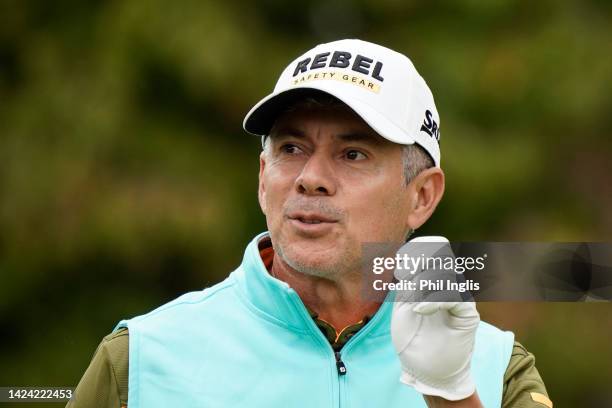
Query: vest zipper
(340, 364)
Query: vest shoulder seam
(212, 290)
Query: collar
(277, 301)
(337, 338)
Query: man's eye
(290, 149)
(355, 155)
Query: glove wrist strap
(457, 388)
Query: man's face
(328, 183)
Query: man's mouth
(311, 224)
(311, 218)
(309, 221)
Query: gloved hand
(434, 340)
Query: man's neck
(338, 302)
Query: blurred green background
(126, 179)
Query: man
(350, 155)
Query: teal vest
(250, 342)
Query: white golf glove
(434, 340)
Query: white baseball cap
(381, 85)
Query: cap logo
(353, 79)
(341, 59)
(311, 69)
(430, 126)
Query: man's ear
(261, 193)
(426, 191)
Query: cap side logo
(430, 126)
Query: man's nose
(317, 176)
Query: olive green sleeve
(523, 386)
(105, 383)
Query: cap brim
(262, 116)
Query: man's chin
(321, 269)
(316, 260)
(322, 248)
(308, 258)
